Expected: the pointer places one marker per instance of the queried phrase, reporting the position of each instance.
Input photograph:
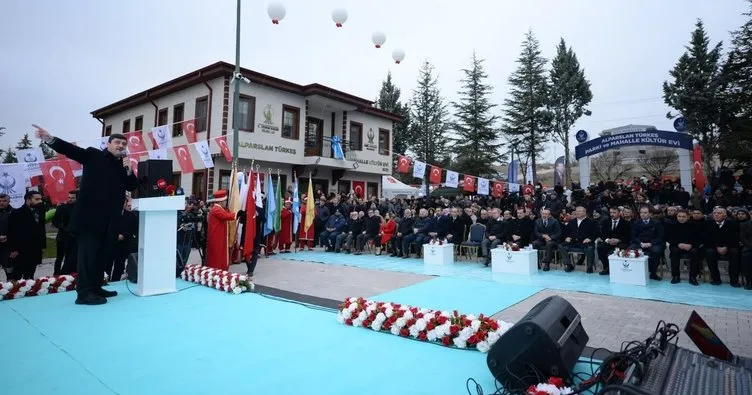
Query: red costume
(217, 249)
(387, 231)
(304, 238)
(284, 239)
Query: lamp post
(236, 95)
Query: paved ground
(608, 320)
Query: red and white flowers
(222, 280)
(628, 253)
(40, 286)
(449, 329)
(554, 386)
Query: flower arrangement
(437, 242)
(554, 386)
(448, 329)
(41, 286)
(628, 253)
(222, 280)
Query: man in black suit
(404, 228)
(683, 239)
(745, 237)
(496, 230)
(648, 235)
(579, 236)
(65, 242)
(5, 210)
(721, 242)
(457, 227)
(520, 229)
(27, 236)
(96, 216)
(546, 234)
(615, 233)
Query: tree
(570, 94)
(47, 151)
(428, 119)
(476, 144)
(25, 142)
(389, 100)
(2, 131)
(696, 91)
(658, 163)
(527, 120)
(610, 166)
(10, 156)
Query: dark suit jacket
(101, 192)
(24, 233)
(523, 228)
(552, 229)
(623, 231)
(651, 233)
(726, 236)
(458, 229)
(588, 229)
(745, 235)
(686, 233)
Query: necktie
(613, 226)
(545, 223)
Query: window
(139, 123)
(247, 113)
(126, 126)
(202, 113)
(108, 130)
(356, 136)
(199, 185)
(384, 142)
(290, 122)
(224, 179)
(176, 180)
(177, 119)
(162, 117)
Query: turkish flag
(58, 180)
(469, 184)
(136, 142)
(222, 143)
(359, 187)
(527, 189)
(498, 189)
(403, 164)
(77, 168)
(189, 130)
(699, 172)
(133, 160)
(183, 153)
(435, 177)
(154, 144)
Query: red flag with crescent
(136, 142)
(189, 130)
(359, 187)
(77, 168)
(498, 189)
(183, 153)
(58, 180)
(699, 172)
(403, 164)
(435, 177)
(469, 184)
(133, 160)
(222, 143)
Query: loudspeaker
(546, 342)
(151, 171)
(131, 268)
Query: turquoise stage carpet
(202, 341)
(705, 295)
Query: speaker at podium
(151, 171)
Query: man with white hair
(721, 242)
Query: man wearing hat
(217, 248)
(284, 239)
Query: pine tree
(476, 142)
(2, 131)
(695, 91)
(570, 94)
(25, 142)
(428, 119)
(47, 151)
(527, 120)
(389, 100)
(10, 156)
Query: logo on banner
(205, 152)
(370, 145)
(581, 136)
(509, 257)
(268, 125)
(102, 144)
(432, 250)
(30, 157)
(452, 177)
(625, 267)
(7, 183)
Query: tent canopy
(391, 188)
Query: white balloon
(398, 55)
(339, 16)
(378, 39)
(276, 12)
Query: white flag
(162, 136)
(32, 157)
(203, 151)
(419, 169)
(482, 186)
(13, 181)
(514, 187)
(158, 154)
(452, 179)
(101, 143)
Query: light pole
(236, 95)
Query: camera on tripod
(190, 234)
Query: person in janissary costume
(217, 249)
(284, 239)
(305, 238)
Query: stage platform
(202, 341)
(723, 296)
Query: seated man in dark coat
(648, 235)
(579, 236)
(496, 231)
(721, 242)
(520, 229)
(546, 234)
(370, 232)
(457, 227)
(404, 228)
(615, 233)
(683, 238)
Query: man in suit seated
(334, 226)
(721, 242)
(370, 231)
(457, 227)
(422, 226)
(404, 228)
(495, 234)
(579, 236)
(683, 238)
(352, 229)
(520, 229)
(546, 232)
(615, 233)
(443, 223)
(648, 235)
(745, 236)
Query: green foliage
(389, 100)
(10, 156)
(25, 142)
(428, 119)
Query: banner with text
(654, 137)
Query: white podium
(632, 271)
(157, 243)
(438, 254)
(514, 262)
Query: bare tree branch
(659, 163)
(610, 166)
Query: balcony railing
(322, 146)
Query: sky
(61, 60)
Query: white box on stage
(514, 262)
(157, 243)
(434, 254)
(632, 271)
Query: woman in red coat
(217, 248)
(304, 238)
(284, 239)
(388, 229)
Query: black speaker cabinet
(151, 171)
(546, 342)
